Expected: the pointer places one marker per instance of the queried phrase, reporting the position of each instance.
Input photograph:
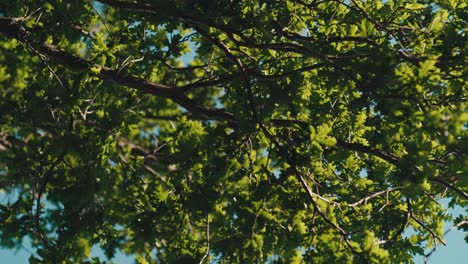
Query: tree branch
(367, 198)
(450, 186)
(412, 216)
(39, 194)
(12, 28)
(390, 158)
(207, 253)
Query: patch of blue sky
(155, 131)
(455, 248)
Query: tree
(238, 131)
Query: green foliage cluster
(193, 131)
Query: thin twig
(412, 216)
(99, 15)
(367, 198)
(456, 226)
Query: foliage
(233, 131)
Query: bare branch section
(367, 198)
(450, 186)
(11, 27)
(423, 225)
(368, 150)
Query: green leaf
(414, 6)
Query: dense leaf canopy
(194, 131)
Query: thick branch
(12, 28)
(450, 186)
(368, 150)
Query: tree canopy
(199, 131)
